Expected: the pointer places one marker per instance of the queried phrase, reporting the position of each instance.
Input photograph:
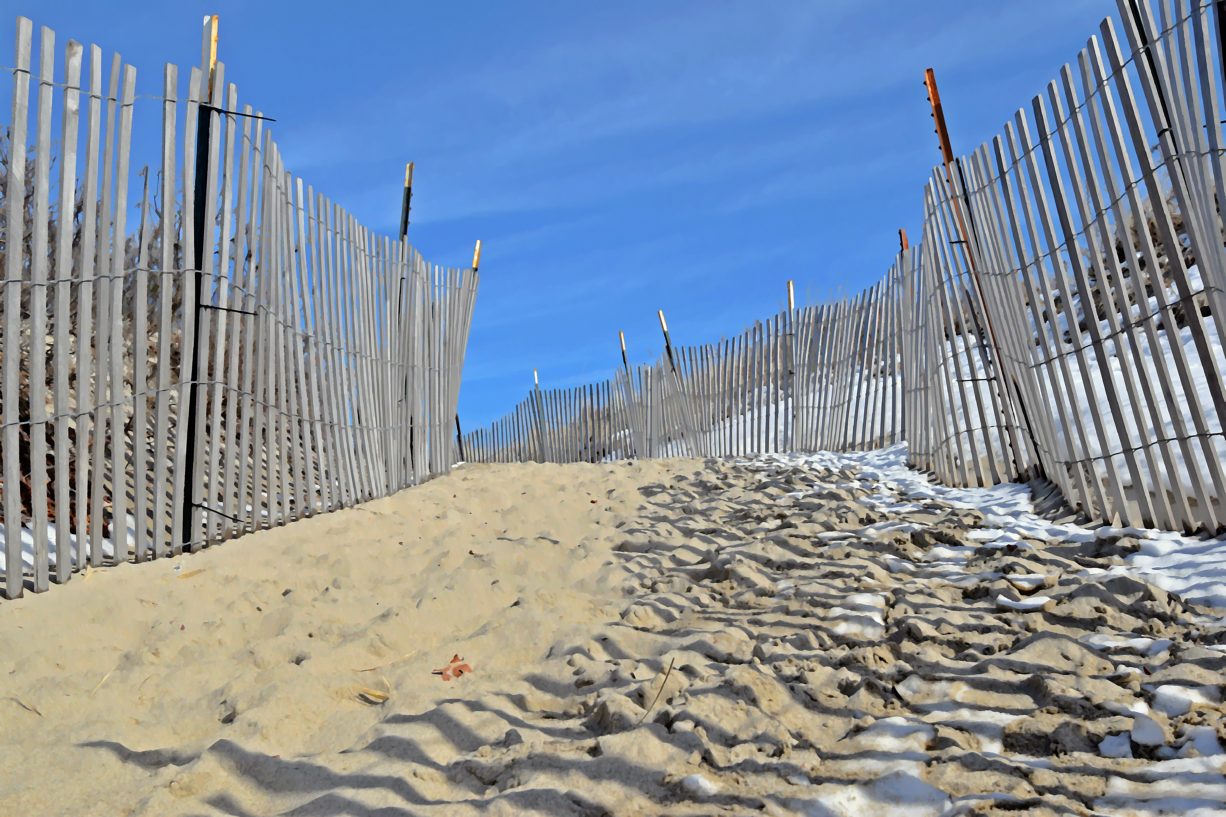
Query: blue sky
(615, 158)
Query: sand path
(826, 657)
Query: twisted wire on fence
(1062, 315)
(218, 350)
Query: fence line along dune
(1062, 316)
(846, 562)
(201, 346)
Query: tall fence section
(1061, 317)
(202, 347)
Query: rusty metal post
(1010, 391)
(938, 116)
(950, 162)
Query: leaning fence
(1061, 317)
(202, 349)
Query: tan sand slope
(826, 659)
(112, 684)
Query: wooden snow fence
(1062, 316)
(201, 347)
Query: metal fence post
(406, 200)
(1011, 397)
(192, 512)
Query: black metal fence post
(204, 124)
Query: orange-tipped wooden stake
(903, 244)
(477, 255)
(938, 117)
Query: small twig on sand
(660, 691)
(100, 683)
(375, 697)
(392, 663)
(27, 707)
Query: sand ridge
(673, 637)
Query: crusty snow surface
(1194, 567)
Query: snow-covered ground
(27, 547)
(1189, 566)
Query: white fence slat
(66, 454)
(13, 274)
(39, 262)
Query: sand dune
(666, 637)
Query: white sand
(828, 658)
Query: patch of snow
(1146, 731)
(987, 725)
(860, 615)
(699, 786)
(1116, 746)
(1184, 786)
(1174, 700)
(1200, 741)
(72, 551)
(946, 553)
(896, 734)
(1140, 645)
(1026, 581)
(1032, 603)
(1192, 567)
(899, 794)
